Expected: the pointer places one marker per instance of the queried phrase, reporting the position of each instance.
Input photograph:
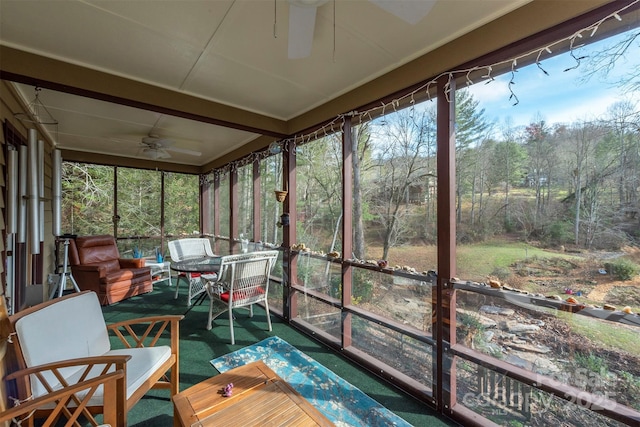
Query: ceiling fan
(302, 19)
(156, 148)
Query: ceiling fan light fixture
(151, 153)
(155, 153)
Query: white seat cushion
(69, 329)
(143, 363)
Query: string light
(538, 63)
(512, 82)
(469, 81)
(379, 111)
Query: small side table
(160, 271)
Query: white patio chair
(243, 281)
(182, 249)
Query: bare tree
(540, 150)
(361, 139)
(623, 120)
(584, 137)
(602, 62)
(400, 155)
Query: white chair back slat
(182, 249)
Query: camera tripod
(62, 280)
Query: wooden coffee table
(260, 397)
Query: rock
(532, 348)
(491, 349)
(492, 309)
(488, 335)
(518, 361)
(533, 362)
(483, 320)
(518, 328)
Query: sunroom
(458, 217)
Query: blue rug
(341, 402)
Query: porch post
(257, 191)
(233, 203)
(205, 204)
(216, 211)
(347, 227)
(289, 266)
(444, 300)
(162, 199)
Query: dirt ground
(582, 277)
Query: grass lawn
(474, 262)
(607, 334)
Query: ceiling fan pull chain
(334, 31)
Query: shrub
(622, 269)
(362, 285)
(559, 232)
(502, 273)
(591, 362)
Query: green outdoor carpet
(198, 346)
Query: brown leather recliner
(96, 265)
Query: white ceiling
(233, 52)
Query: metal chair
(243, 280)
(183, 249)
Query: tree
(87, 199)
(539, 148)
(138, 202)
(584, 137)
(181, 203)
(623, 118)
(472, 127)
(319, 191)
(602, 62)
(401, 148)
(506, 167)
(361, 139)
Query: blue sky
(560, 97)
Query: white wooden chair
(243, 280)
(62, 353)
(182, 249)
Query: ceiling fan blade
(183, 150)
(410, 11)
(302, 21)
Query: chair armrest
(131, 262)
(117, 361)
(71, 399)
(149, 337)
(99, 269)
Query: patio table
(207, 266)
